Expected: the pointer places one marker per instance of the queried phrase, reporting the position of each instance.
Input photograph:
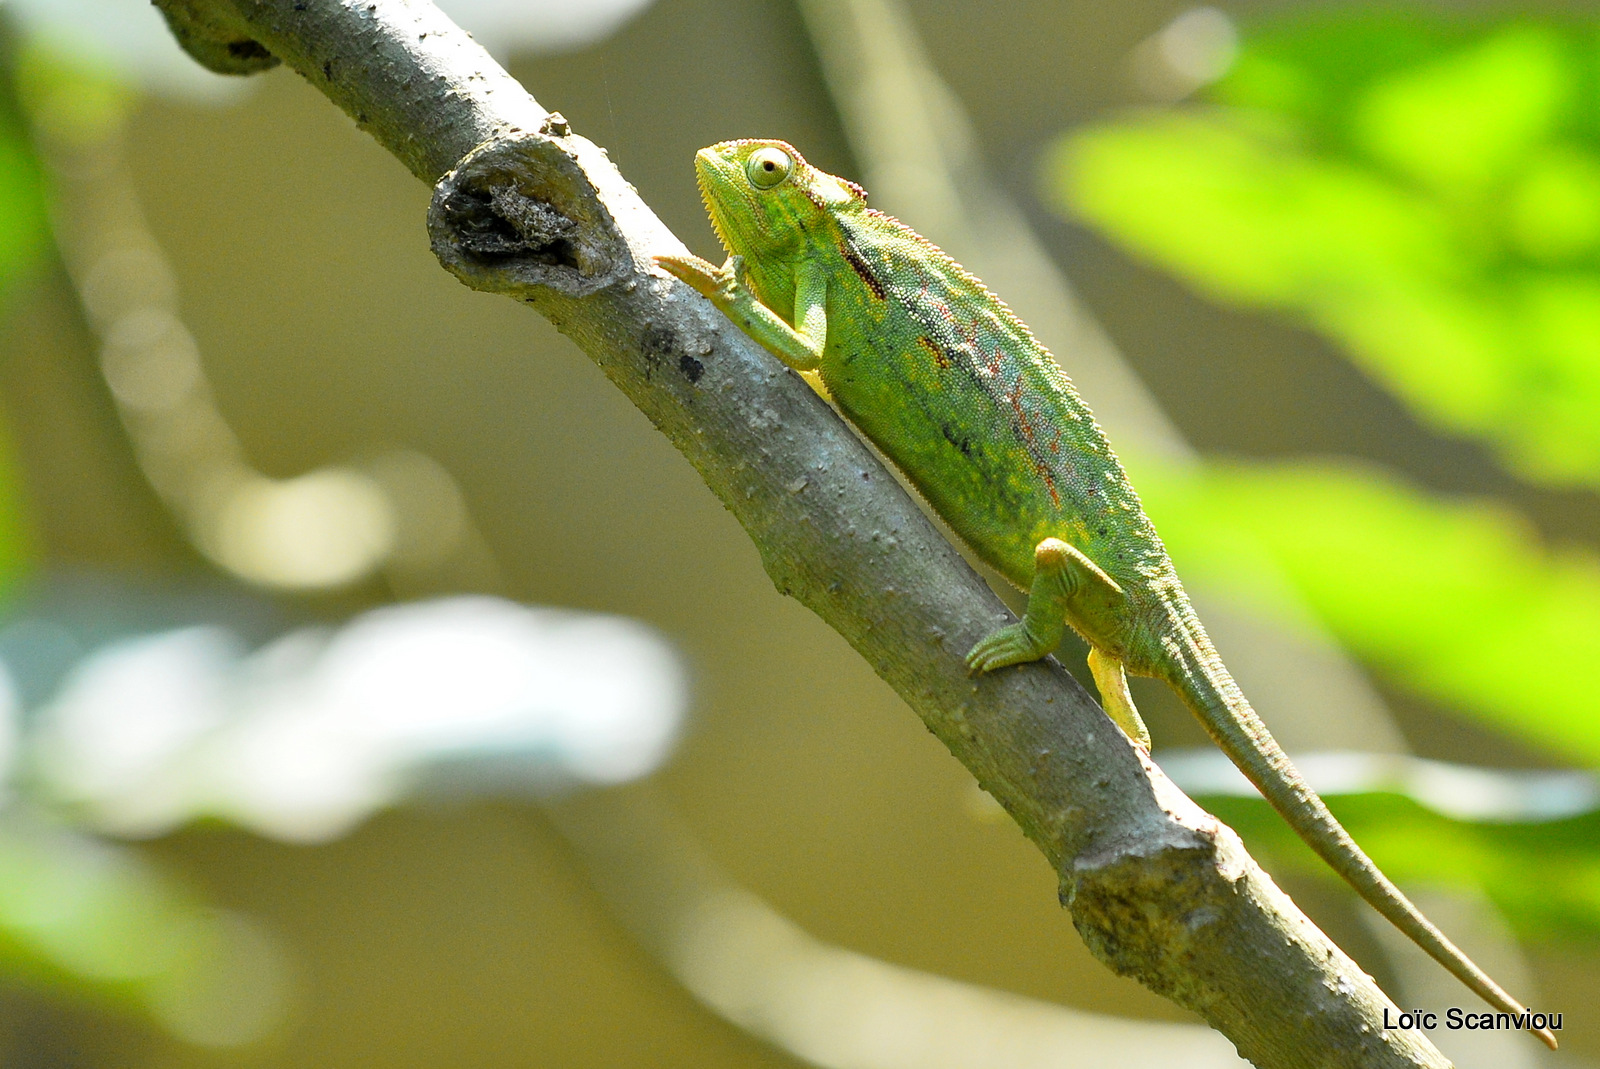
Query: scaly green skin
(942, 377)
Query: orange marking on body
(1022, 417)
(940, 357)
(1049, 484)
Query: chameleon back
(950, 384)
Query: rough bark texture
(1159, 889)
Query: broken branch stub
(518, 214)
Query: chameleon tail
(1212, 695)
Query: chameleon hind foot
(1115, 698)
(1061, 574)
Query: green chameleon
(946, 381)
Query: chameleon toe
(1000, 649)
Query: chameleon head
(759, 193)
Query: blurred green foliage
(1545, 877)
(22, 216)
(93, 918)
(69, 98)
(24, 242)
(1426, 192)
(76, 913)
(1457, 600)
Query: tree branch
(1158, 888)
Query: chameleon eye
(768, 167)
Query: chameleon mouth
(712, 181)
(715, 217)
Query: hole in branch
(502, 223)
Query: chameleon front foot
(728, 287)
(707, 278)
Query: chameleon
(948, 383)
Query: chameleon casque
(948, 383)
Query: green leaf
(1544, 877)
(1232, 203)
(1427, 195)
(1526, 837)
(1553, 210)
(24, 241)
(1457, 600)
(88, 917)
(1462, 123)
(23, 230)
(1251, 220)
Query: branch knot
(1147, 906)
(518, 215)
